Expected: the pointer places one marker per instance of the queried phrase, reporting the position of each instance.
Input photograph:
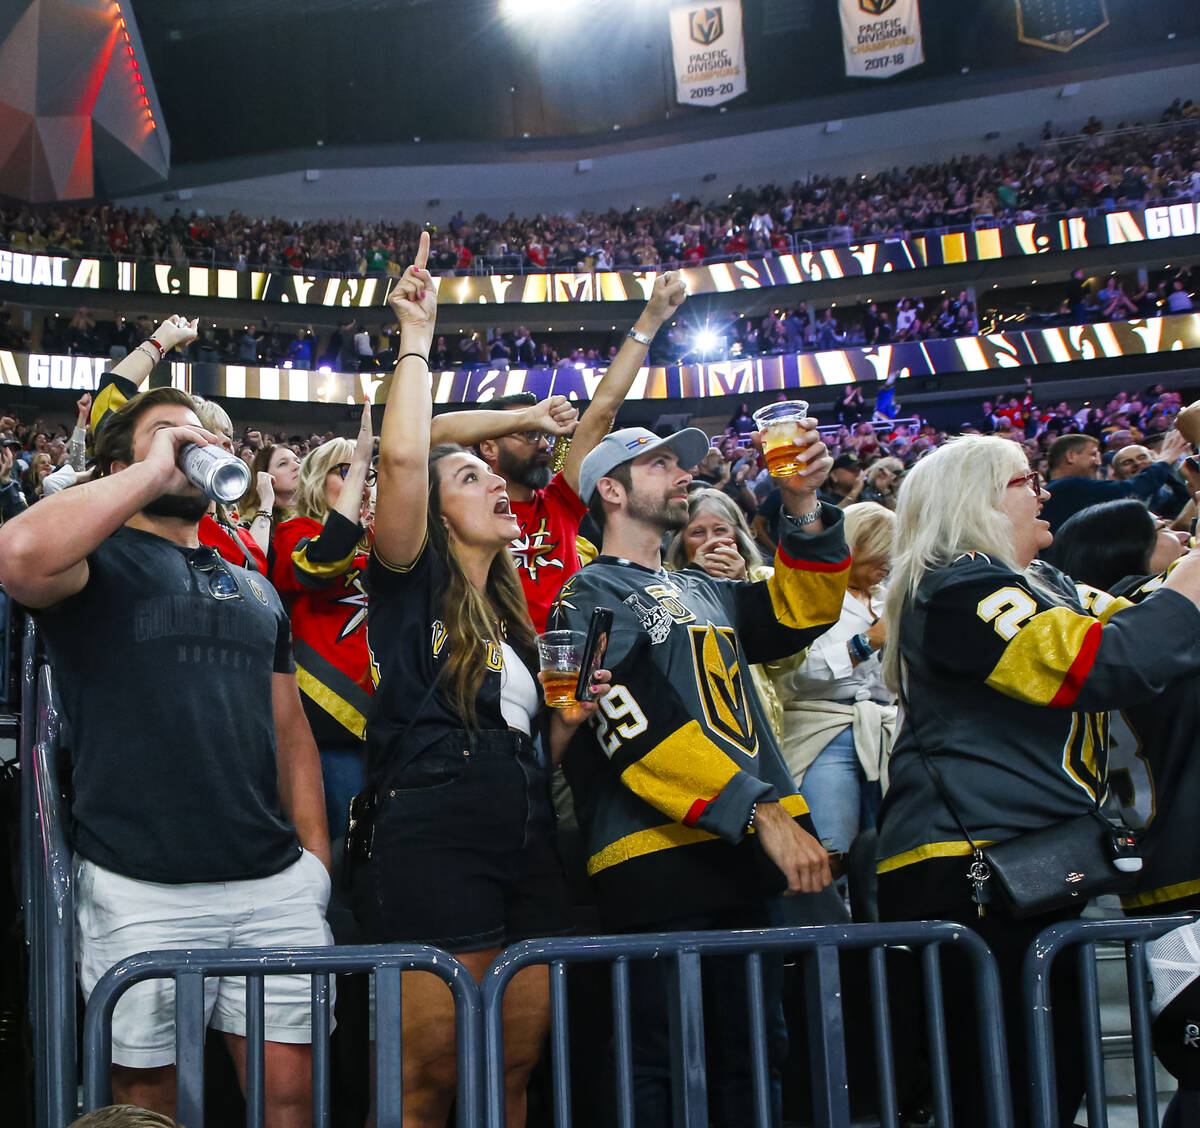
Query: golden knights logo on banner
(880, 38)
(708, 53)
(1059, 25)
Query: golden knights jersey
(664, 778)
(1155, 774)
(1008, 688)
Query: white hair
(950, 502)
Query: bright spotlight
(524, 8)
(706, 341)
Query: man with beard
(690, 816)
(198, 819)
(546, 504)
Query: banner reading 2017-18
(709, 58)
(880, 38)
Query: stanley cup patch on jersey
(721, 684)
(655, 620)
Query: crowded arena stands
(727, 662)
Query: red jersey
(216, 535)
(546, 553)
(319, 573)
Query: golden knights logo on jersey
(876, 7)
(722, 686)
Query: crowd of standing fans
(1127, 167)
(348, 662)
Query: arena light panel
(881, 256)
(945, 357)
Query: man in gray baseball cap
(689, 814)
(689, 447)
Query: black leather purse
(1041, 871)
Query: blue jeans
(342, 772)
(840, 798)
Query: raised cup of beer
(559, 656)
(778, 428)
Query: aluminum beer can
(215, 472)
(558, 453)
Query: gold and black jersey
(1008, 685)
(664, 778)
(1154, 772)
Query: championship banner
(708, 54)
(856, 260)
(1059, 25)
(742, 377)
(880, 38)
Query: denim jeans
(342, 773)
(840, 798)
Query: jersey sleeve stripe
(1080, 668)
(811, 565)
(696, 810)
(1039, 659)
(307, 570)
(672, 773)
(811, 598)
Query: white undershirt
(518, 692)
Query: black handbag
(1041, 871)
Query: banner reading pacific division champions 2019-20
(884, 256)
(881, 38)
(707, 51)
(743, 377)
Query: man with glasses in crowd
(545, 503)
(198, 818)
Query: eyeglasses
(343, 468)
(534, 437)
(222, 584)
(1033, 480)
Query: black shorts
(463, 854)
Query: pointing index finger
(422, 251)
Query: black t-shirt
(168, 693)
(406, 634)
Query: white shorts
(117, 917)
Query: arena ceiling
(239, 77)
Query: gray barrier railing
(190, 968)
(818, 948)
(50, 920)
(26, 741)
(1084, 935)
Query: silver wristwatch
(806, 519)
(641, 338)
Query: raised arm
(401, 502)
(555, 416)
(667, 296)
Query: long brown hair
(473, 618)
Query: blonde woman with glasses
(1006, 676)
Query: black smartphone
(1193, 463)
(593, 652)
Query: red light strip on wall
(139, 84)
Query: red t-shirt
(212, 534)
(546, 552)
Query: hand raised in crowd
(176, 332)
(6, 462)
(1174, 446)
(556, 415)
(564, 722)
(83, 408)
(364, 443)
(414, 302)
(815, 456)
(720, 558)
(266, 491)
(667, 295)
(877, 634)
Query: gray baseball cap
(689, 446)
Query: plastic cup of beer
(559, 656)
(779, 427)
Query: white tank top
(518, 692)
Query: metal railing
(818, 948)
(50, 911)
(190, 968)
(1084, 935)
